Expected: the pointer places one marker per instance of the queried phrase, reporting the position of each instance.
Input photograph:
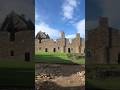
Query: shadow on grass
(52, 59)
(14, 73)
(47, 85)
(16, 77)
(17, 88)
(103, 77)
(89, 86)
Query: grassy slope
(56, 58)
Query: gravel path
(59, 77)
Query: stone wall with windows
(15, 50)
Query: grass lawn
(49, 57)
(16, 73)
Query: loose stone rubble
(46, 79)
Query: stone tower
(78, 39)
(63, 42)
(62, 34)
(78, 44)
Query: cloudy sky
(105, 8)
(53, 16)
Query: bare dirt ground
(59, 77)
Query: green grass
(49, 57)
(16, 73)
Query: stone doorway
(27, 56)
(119, 58)
(46, 50)
(54, 49)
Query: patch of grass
(50, 57)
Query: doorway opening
(46, 50)
(27, 56)
(54, 49)
(119, 58)
(68, 50)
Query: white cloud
(71, 36)
(68, 8)
(80, 26)
(53, 33)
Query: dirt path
(59, 77)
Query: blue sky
(54, 16)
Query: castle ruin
(62, 45)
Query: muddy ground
(59, 77)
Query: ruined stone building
(103, 44)
(63, 45)
(16, 38)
